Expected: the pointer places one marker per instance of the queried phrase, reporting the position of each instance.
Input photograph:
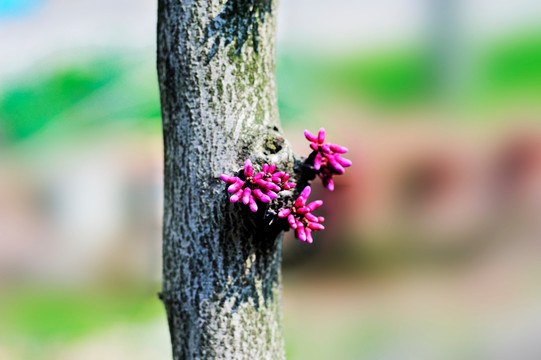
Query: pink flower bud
(337, 167)
(311, 217)
(309, 136)
(300, 232)
(317, 161)
(229, 179)
(314, 205)
(271, 194)
(284, 212)
(262, 183)
(321, 136)
(285, 178)
(326, 148)
(308, 233)
(273, 187)
(253, 205)
(339, 149)
(279, 174)
(299, 202)
(292, 222)
(248, 168)
(289, 186)
(265, 168)
(330, 185)
(327, 159)
(320, 219)
(258, 176)
(246, 196)
(236, 186)
(236, 196)
(259, 194)
(316, 226)
(272, 167)
(303, 210)
(305, 193)
(344, 162)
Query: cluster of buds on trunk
(300, 217)
(263, 186)
(327, 158)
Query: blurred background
(433, 239)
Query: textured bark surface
(221, 263)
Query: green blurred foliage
(45, 315)
(511, 68)
(82, 96)
(388, 79)
(27, 108)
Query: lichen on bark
(221, 264)
(238, 20)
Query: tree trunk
(221, 262)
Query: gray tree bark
(221, 262)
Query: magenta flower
(300, 217)
(327, 159)
(262, 186)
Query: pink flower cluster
(252, 188)
(300, 217)
(327, 160)
(262, 186)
